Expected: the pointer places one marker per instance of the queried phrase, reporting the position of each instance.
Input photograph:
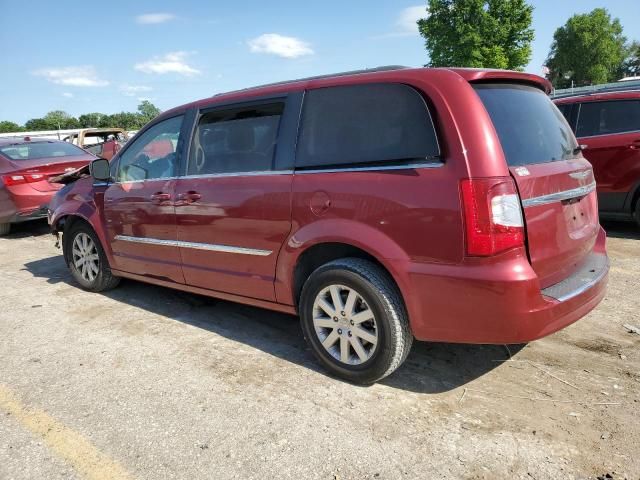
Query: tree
(148, 111)
(36, 124)
(58, 119)
(631, 65)
(478, 33)
(588, 49)
(90, 120)
(7, 126)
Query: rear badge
(523, 171)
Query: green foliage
(478, 33)
(588, 49)
(60, 120)
(631, 65)
(6, 126)
(148, 110)
(90, 120)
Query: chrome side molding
(559, 196)
(198, 246)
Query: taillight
(25, 178)
(492, 214)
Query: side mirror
(100, 170)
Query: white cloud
(82, 76)
(154, 18)
(133, 90)
(67, 94)
(406, 23)
(275, 44)
(173, 62)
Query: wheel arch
(65, 221)
(325, 241)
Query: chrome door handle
(160, 197)
(188, 197)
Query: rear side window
(605, 118)
(236, 140)
(530, 127)
(565, 110)
(365, 124)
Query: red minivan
(380, 206)
(607, 124)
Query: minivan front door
(139, 206)
(233, 207)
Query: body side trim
(197, 246)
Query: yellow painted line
(68, 444)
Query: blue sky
(81, 56)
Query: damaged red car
(26, 166)
(380, 206)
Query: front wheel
(636, 213)
(4, 228)
(354, 320)
(86, 259)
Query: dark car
(25, 169)
(381, 206)
(607, 124)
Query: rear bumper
(501, 302)
(22, 203)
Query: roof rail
(383, 68)
(625, 86)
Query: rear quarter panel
(399, 216)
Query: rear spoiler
(473, 75)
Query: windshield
(530, 127)
(33, 150)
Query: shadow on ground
(35, 228)
(628, 230)
(430, 368)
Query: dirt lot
(148, 383)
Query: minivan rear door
(555, 183)
(610, 133)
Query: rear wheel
(354, 319)
(4, 228)
(86, 259)
(636, 213)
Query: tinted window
(530, 127)
(603, 118)
(33, 150)
(365, 124)
(235, 140)
(152, 155)
(565, 110)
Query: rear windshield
(33, 150)
(530, 127)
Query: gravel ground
(145, 382)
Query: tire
(93, 272)
(636, 213)
(4, 229)
(375, 347)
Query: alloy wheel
(345, 324)
(85, 256)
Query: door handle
(159, 197)
(188, 197)
(635, 145)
